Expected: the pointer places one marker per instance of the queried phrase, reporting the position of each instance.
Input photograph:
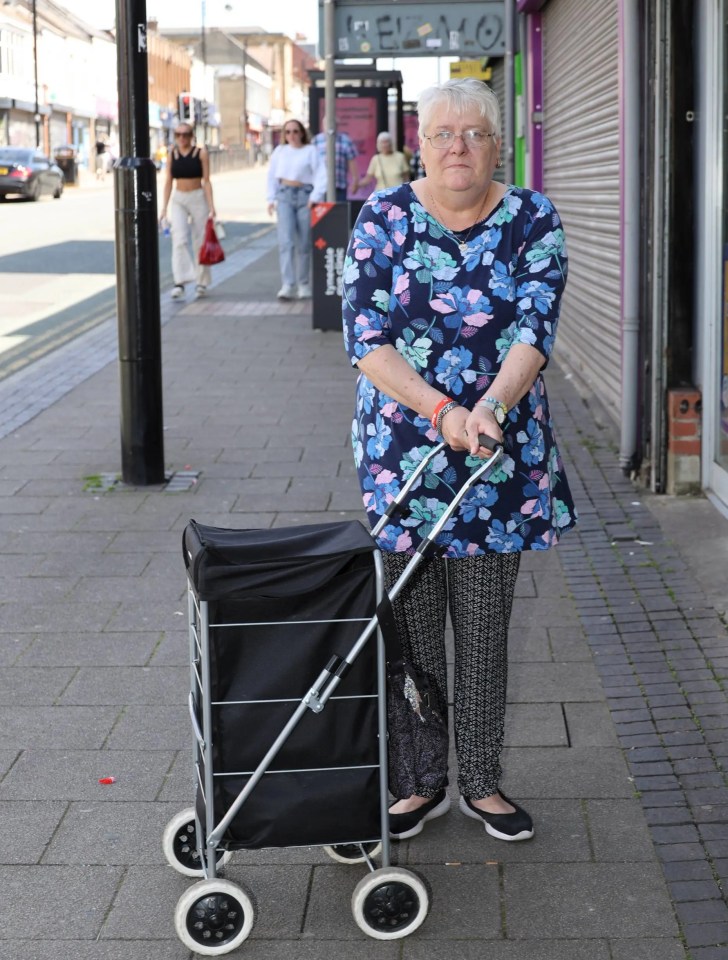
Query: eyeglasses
(471, 138)
(183, 133)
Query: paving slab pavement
(617, 704)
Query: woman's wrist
(438, 410)
(443, 411)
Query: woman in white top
(296, 180)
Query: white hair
(459, 96)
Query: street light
(243, 47)
(36, 116)
(203, 55)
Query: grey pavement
(617, 702)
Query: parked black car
(28, 173)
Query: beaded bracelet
(441, 415)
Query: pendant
(463, 247)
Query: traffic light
(186, 108)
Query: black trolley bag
(288, 707)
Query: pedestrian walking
(296, 180)
(452, 291)
(188, 196)
(102, 158)
(346, 175)
(388, 167)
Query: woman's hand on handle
(461, 429)
(481, 420)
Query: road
(57, 276)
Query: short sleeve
(540, 277)
(367, 281)
(272, 180)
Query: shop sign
(424, 29)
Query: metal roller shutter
(582, 177)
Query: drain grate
(181, 480)
(177, 481)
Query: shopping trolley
(288, 708)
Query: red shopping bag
(211, 252)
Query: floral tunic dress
(453, 307)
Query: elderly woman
(388, 167)
(452, 286)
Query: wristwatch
(500, 410)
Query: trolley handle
(489, 443)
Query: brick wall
(684, 409)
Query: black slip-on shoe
(504, 826)
(402, 826)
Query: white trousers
(188, 214)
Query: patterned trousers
(479, 593)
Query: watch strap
(494, 404)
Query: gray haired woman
(388, 167)
(452, 290)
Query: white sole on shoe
(438, 811)
(523, 835)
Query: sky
(277, 16)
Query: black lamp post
(137, 258)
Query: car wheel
(35, 191)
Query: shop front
(712, 244)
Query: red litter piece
(106, 780)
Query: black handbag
(417, 741)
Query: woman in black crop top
(188, 195)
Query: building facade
(168, 68)
(45, 65)
(625, 125)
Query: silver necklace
(463, 242)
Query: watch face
(499, 415)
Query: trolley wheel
(179, 842)
(390, 903)
(214, 917)
(351, 852)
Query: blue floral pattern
(454, 315)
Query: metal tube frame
(326, 682)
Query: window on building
(16, 54)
